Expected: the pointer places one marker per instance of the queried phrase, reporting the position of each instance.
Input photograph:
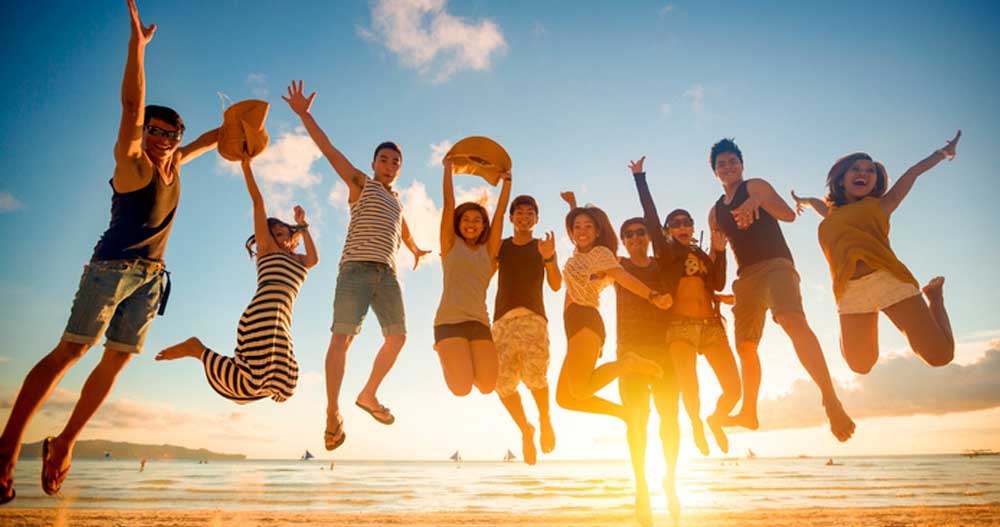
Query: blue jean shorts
(361, 285)
(121, 296)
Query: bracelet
(653, 294)
(302, 226)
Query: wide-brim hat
(480, 156)
(243, 130)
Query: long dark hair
(605, 231)
(271, 224)
(456, 220)
(836, 196)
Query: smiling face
(860, 179)
(156, 146)
(284, 238)
(584, 232)
(728, 168)
(524, 218)
(681, 229)
(471, 225)
(636, 240)
(386, 165)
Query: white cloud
(438, 151)
(339, 193)
(697, 95)
(665, 110)
(8, 203)
(257, 82)
(667, 9)
(429, 39)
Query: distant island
(97, 448)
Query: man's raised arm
(129, 143)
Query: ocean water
(578, 486)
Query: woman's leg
(578, 380)
(926, 327)
(859, 341)
(720, 358)
(634, 391)
(485, 365)
(456, 364)
(685, 359)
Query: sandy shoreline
(966, 515)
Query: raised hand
(140, 32)
(547, 246)
(569, 197)
(663, 301)
(747, 213)
(950, 146)
(636, 166)
(297, 101)
(800, 203)
(300, 215)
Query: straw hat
(243, 130)
(480, 156)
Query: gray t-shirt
(467, 273)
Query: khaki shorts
(874, 292)
(700, 333)
(771, 284)
(521, 337)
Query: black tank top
(140, 221)
(522, 273)
(762, 241)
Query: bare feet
(643, 512)
(548, 437)
(636, 364)
(191, 347)
(698, 431)
(934, 288)
(528, 445)
(715, 425)
(840, 423)
(673, 502)
(744, 419)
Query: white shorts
(874, 292)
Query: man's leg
(547, 439)
(665, 397)
(384, 362)
(37, 386)
(336, 360)
(95, 391)
(514, 407)
(750, 374)
(634, 392)
(387, 303)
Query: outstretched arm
(569, 197)
(547, 248)
(447, 230)
(410, 244)
(300, 104)
(661, 246)
(129, 143)
(817, 205)
(719, 260)
(496, 228)
(265, 242)
(895, 195)
(311, 257)
(633, 284)
(761, 194)
(204, 143)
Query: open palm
(298, 102)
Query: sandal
(336, 437)
(380, 413)
(52, 476)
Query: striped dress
(264, 364)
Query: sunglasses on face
(633, 232)
(173, 135)
(681, 222)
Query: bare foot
(528, 445)
(643, 512)
(698, 431)
(934, 288)
(840, 423)
(673, 502)
(744, 419)
(636, 364)
(191, 347)
(548, 437)
(715, 425)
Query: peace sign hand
(298, 102)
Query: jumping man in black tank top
(121, 286)
(747, 215)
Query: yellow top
(859, 231)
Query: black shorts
(577, 317)
(471, 330)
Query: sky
(573, 95)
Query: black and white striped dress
(264, 365)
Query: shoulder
(757, 185)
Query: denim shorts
(121, 296)
(361, 285)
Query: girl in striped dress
(264, 364)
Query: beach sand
(965, 516)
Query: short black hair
(524, 199)
(630, 221)
(165, 114)
(387, 144)
(723, 146)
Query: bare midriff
(691, 299)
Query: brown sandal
(52, 477)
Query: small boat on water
(509, 456)
(456, 457)
(307, 456)
(750, 453)
(977, 452)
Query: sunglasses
(684, 222)
(173, 135)
(633, 232)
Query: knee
(733, 389)
(791, 321)
(486, 387)
(746, 351)
(460, 389)
(395, 342)
(563, 397)
(69, 351)
(940, 355)
(861, 365)
(339, 344)
(116, 359)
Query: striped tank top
(376, 226)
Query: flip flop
(5, 499)
(52, 477)
(330, 440)
(381, 409)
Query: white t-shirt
(585, 275)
